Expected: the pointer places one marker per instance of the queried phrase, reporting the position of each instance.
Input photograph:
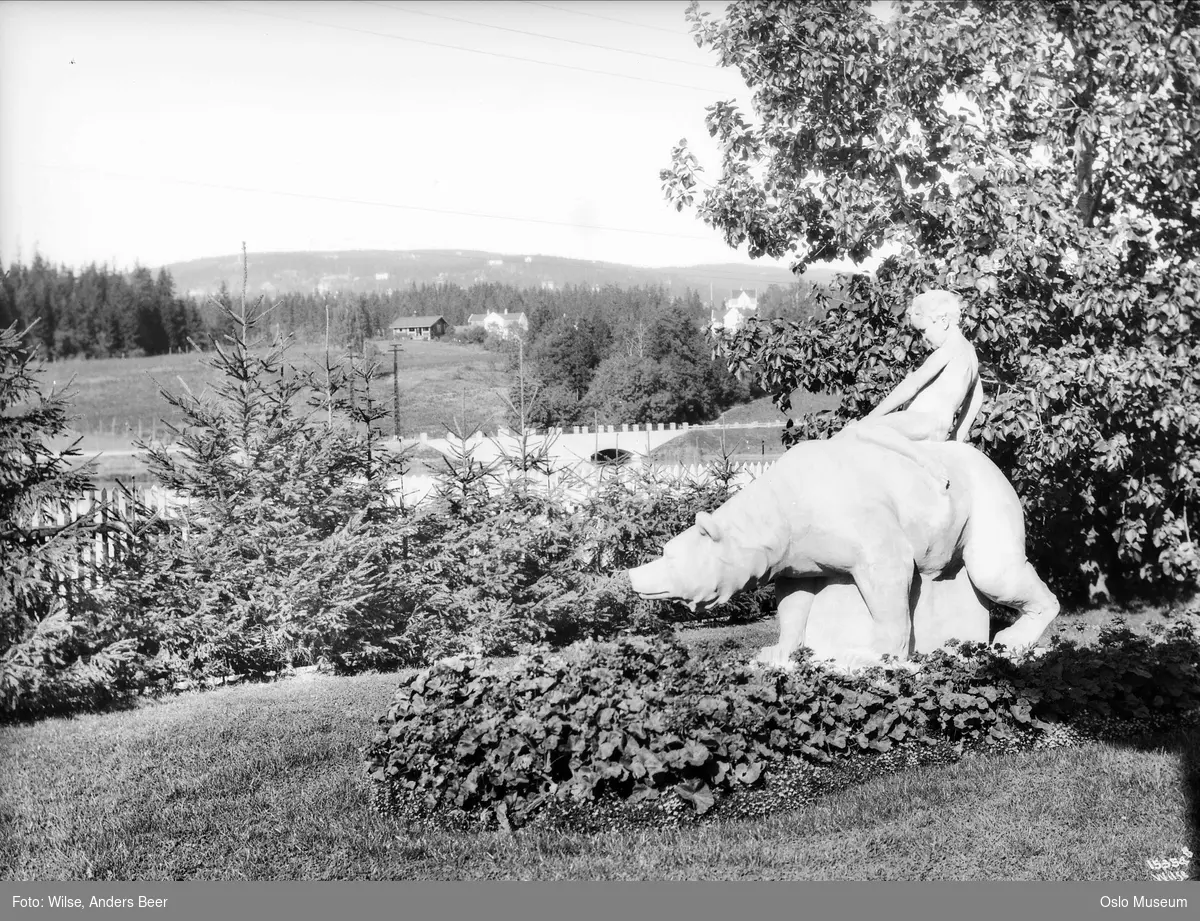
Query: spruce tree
(56, 654)
(291, 547)
(36, 482)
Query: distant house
(737, 308)
(427, 327)
(504, 325)
(507, 325)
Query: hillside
(378, 270)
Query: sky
(155, 132)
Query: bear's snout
(653, 580)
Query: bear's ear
(708, 526)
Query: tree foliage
(291, 548)
(567, 353)
(1040, 159)
(56, 651)
(97, 312)
(664, 371)
(36, 482)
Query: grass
(743, 443)
(264, 782)
(114, 396)
(764, 410)
(117, 397)
(117, 400)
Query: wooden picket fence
(104, 514)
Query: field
(764, 410)
(117, 400)
(118, 397)
(744, 439)
(264, 782)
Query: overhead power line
(553, 38)
(361, 201)
(422, 41)
(733, 275)
(640, 25)
(709, 274)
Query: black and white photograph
(593, 441)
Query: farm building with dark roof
(427, 327)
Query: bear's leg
(999, 570)
(885, 582)
(1020, 588)
(795, 600)
(994, 557)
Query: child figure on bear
(943, 396)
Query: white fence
(631, 428)
(576, 481)
(101, 514)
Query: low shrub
(645, 721)
(63, 666)
(474, 335)
(262, 588)
(504, 565)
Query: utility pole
(396, 388)
(521, 380)
(328, 372)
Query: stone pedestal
(946, 608)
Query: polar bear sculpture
(869, 554)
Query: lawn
(264, 782)
(763, 409)
(117, 400)
(742, 445)
(742, 436)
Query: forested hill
(101, 312)
(365, 271)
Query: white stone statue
(869, 553)
(937, 402)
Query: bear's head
(699, 567)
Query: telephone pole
(396, 389)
